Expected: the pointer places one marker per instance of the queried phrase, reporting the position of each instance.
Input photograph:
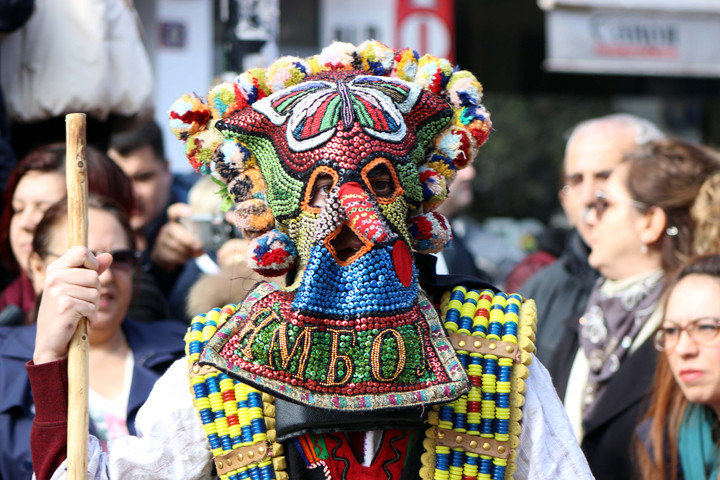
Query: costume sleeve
(170, 441)
(548, 449)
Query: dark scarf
(609, 326)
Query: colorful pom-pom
(340, 56)
(286, 72)
(231, 157)
(434, 188)
(272, 254)
(200, 149)
(457, 144)
(225, 99)
(464, 90)
(433, 73)
(247, 185)
(405, 66)
(442, 164)
(377, 57)
(477, 121)
(253, 217)
(188, 116)
(429, 232)
(253, 84)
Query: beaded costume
(353, 332)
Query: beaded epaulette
(238, 419)
(475, 436)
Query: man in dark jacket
(593, 149)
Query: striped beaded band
(476, 435)
(237, 419)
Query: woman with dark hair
(640, 231)
(35, 183)
(125, 356)
(678, 438)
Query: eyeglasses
(124, 260)
(602, 202)
(701, 330)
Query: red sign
(427, 26)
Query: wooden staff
(78, 371)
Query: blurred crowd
(626, 289)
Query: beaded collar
(474, 436)
(372, 363)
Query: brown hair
(104, 178)
(657, 455)
(668, 174)
(706, 214)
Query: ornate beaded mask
(335, 164)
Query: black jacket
(607, 443)
(559, 290)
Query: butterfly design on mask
(316, 109)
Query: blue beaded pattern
(231, 412)
(485, 411)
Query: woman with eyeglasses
(679, 438)
(640, 230)
(126, 357)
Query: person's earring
(644, 249)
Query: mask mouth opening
(345, 245)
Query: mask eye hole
(320, 184)
(321, 190)
(382, 181)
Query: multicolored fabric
(388, 130)
(332, 453)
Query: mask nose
(361, 213)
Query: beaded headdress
(353, 330)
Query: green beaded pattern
(268, 352)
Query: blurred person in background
(125, 356)
(220, 275)
(678, 438)
(639, 229)
(100, 42)
(456, 258)
(37, 182)
(595, 147)
(13, 14)
(159, 204)
(706, 213)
